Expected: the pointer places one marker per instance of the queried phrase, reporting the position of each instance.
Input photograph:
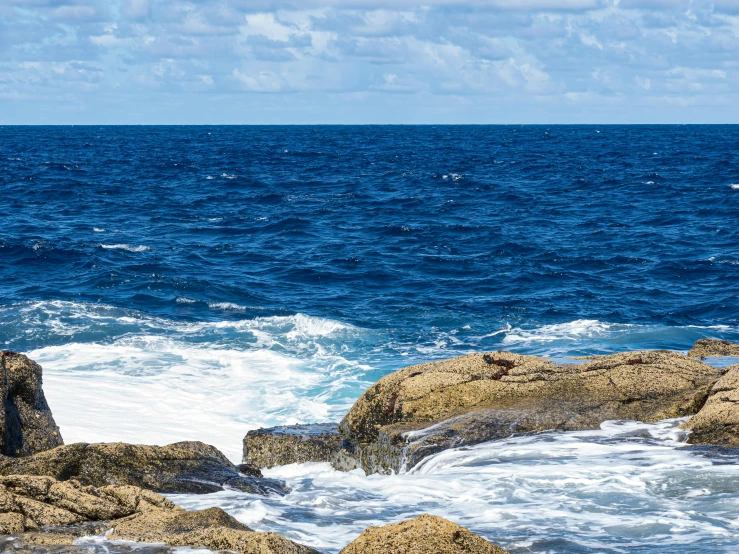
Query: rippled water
(198, 282)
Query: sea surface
(198, 282)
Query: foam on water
(125, 247)
(626, 487)
(113, 374)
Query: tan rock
(185, 467)
(423, 535)
(211, 528)
(26, 423)
(717, 423)
(713, 348)
(48, 512)
(422, 409)
(293, 444)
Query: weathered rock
(211, 528)
(422, 535)
(423, 409)
(28, 503)
(26, 423)
(292, 444)
(710, 348)
(185, 467)
(717, 423)
(56, 513)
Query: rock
(717, 423)
(211, 528)
(421, 535)
(28, 503)
(26, 422)
(57, 513)
(185, 467)
(292, 444)
(709, 348)
(423, 409)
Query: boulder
(717, 423)
(26, 423)
(185, 467)
(421, 535)
(212, 529)
(292, 444)
(423, 409)
(710, 348)
(44, 511)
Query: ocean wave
(126, 247)
(570, 331)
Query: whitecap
(125, 247)
(735, 186)
(183, 300)
(572, 330)
(98, 230)
(227, 306)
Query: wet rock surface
(709, 348)
(422, 535)
(291, 444)
(717, 423)
(423, 409)
(185, 467)
(26, 423)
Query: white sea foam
(125, 247)
(183, 300)
(98, 230)
(617, 489)
(735, 186)
(572, 330)
(157, 381)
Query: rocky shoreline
(52, 494)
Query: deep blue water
(407, 228)
(198, 282)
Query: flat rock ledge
(41, 511)
(277, 446)
(422, 535)
(421, 410)
(713, 348)
(184, 467)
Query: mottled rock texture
(211, 528)
(717, 423)
(422, 535)
(29, 502)
(709, 348)
(185, 467)
(26, 423)
(423, 409)
(44, 511)
(292, 444)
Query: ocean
(197, 282)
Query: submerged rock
(421, 535)
(709, 348)
(717, 423)
(42, 511)
(185, 467)
(26, 423)
(423, 409)
(276, 446)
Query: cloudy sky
(369, 61)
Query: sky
(368, 61)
